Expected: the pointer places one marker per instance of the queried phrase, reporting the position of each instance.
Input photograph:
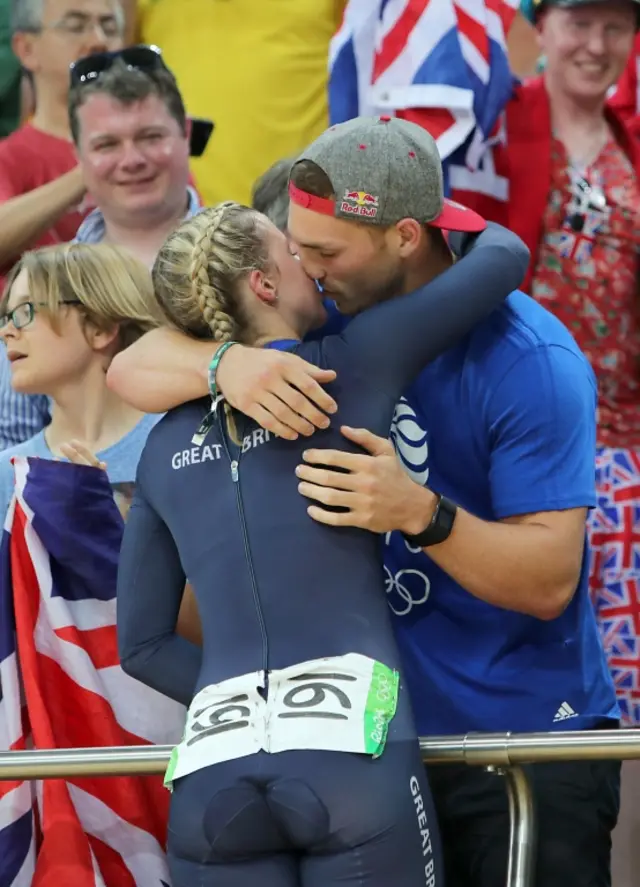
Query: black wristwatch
(439, 527)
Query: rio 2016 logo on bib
(410, 442)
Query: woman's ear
(263, 284)
(101, 339)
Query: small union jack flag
(614, 533)
(62, 687)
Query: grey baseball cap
(383, 169)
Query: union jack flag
(614, 535)
(578, 245)
(65, 688)
(440, 63)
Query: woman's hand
(75, 451)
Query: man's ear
(24, 46)
(263, 284)
(409, 233)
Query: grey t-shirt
(121, 458)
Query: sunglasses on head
(139, 58)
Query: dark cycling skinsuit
(274, 589)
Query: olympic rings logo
(401, 597)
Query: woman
(283, 602)
(65, 312)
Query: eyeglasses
(22, 315)
(77, 25)
(136, 58)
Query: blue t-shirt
(503, 424)
(121, 458)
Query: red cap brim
(455, 217)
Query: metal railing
(502, 753)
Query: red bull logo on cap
(360, 203)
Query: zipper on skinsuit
(235, 477)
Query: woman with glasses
(66, 311)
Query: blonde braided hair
(199, 267)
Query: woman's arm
(151, 585)
(394, 340)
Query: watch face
(440, 527)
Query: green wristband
(213, 368)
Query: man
(132, 138)
(493, 617)
(41, 185)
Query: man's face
(587, 47)
(357, 265)
(135, 158)
(70, 29)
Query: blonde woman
(65, 312)
(298, 655)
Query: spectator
(66, 311)
(268, 105)
(578, 209)
(42, 192)
(131, 135)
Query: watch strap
(439, 527)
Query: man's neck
(51, 114)
(142, 241)
(426, 270)
(88, 411)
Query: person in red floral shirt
(573, 169)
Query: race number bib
(343, 703)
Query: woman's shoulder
(35, 447)
(155, 430)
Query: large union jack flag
(440, 63)
(614, 535)
(62, 687)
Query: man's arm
(280, 391)
(25, 218)
(542, 479)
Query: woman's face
(299, 300)
(42, 358)
(587, 47)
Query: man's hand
(280, 391)
(378, 492)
